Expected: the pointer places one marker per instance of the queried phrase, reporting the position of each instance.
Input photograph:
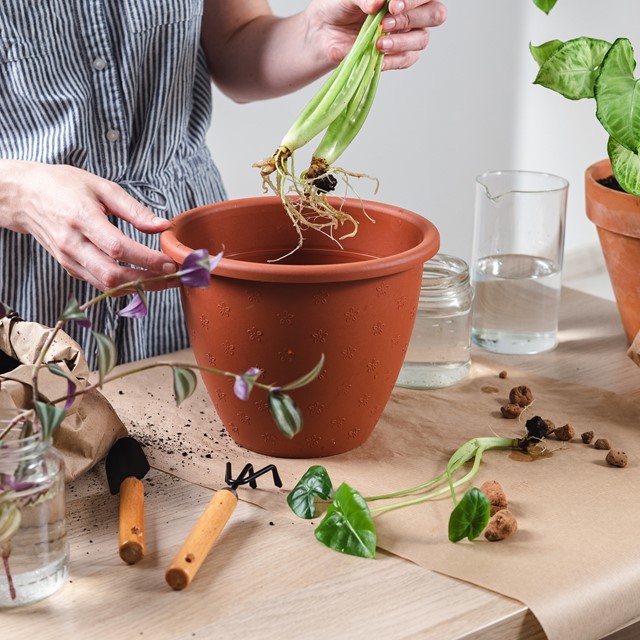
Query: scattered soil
(495, 493)
(587, 437)
(521, 396)
(564, 433)
(616, 458)
(602, 443)
(611, 183)
(510, 410)
(537, 427)
(501, 525)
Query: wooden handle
(188, 560)
(131, 528)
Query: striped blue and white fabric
(119, 88)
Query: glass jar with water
(518, 244)
(438, 354)
(35, 552)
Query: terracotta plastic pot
(355, 305)
(617, 216)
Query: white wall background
(468, 106)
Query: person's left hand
(406, 27)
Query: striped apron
(119, 88)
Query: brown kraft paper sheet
(91, 425)
(575, 560)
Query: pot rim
(598, 170)
(276, 272)
(610, 209)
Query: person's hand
(406, 27)
(66, 208)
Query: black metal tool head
(248, 476)
(125, 459)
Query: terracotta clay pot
(355, 305)
(617, 216)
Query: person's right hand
(66, 208)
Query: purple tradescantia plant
(137, 308)
(244, 383)
(9, 483)
(197, 267)
(49, 414)
(195, 272)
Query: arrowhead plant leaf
(348, 526)
(315, 483)
(470, 516)
(617, 95)
(573, 68)
(543, 52)
(626, 167)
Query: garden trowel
(126, 464)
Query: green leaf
(543, 52)
(73, 312)
(348, 526)
(184, 383)
(545, 5)
(10, 520)
(307, 378)
(617, 99)
(572, 70)
(626, 167)
(50, 417)
(470, 516)
(285, 413)
(315, 483)
(107, 355)
(56, 369)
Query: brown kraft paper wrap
(634, 350)
(91, 425)
(574, 560)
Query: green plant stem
(154, 365)
(127, 286)
(6, 552)
(17, 420)
(473, 449)
(335, 94)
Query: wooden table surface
(265, 578)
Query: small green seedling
(348, 524)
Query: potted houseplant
(590, 68)
(353, 301)
(306, 273)
(32, 528)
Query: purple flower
(241, 388)
(137, 308)
(197, 267)
(244, 383)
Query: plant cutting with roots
(40, 420)
(348, 523)
(339, 109)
